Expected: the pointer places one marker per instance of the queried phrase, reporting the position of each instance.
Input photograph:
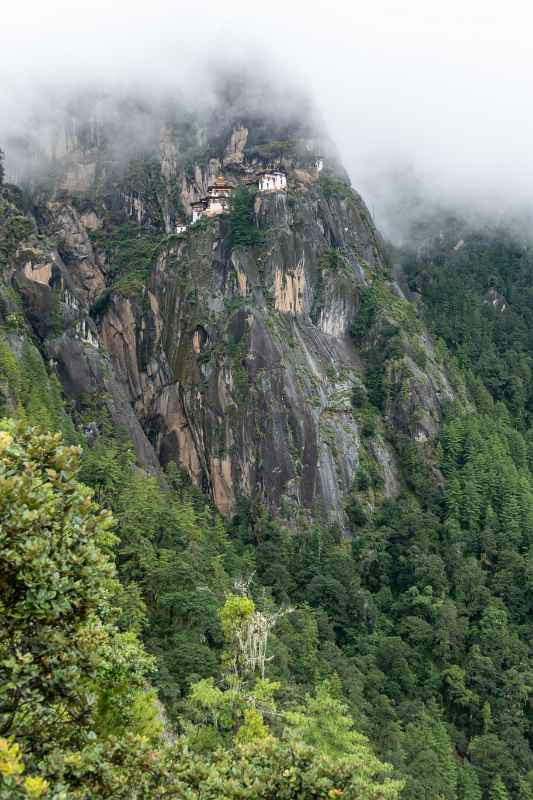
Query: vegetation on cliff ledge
(243, 230)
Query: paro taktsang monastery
(217, 199)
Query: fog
(437, 98)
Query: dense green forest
(161, 647)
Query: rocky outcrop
(61, 222)
(87, 376)
(234, 152)
(417, 398)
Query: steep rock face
(232, 357)
(87, 373)
(62, 223)
(239, 361)
(51, 303)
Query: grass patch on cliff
(133, 249)
(332, 260)
(334, 187)
(378, 301)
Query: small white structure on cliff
(272, 181)
(180, 227)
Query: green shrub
(420, 357)
(332, 260)
(369, 428)
(359, 395)
(14, 227)
(366, 313)
(362, 479)
(101, 303)
(355, 513)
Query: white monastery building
(218, 197)
(272, 181)
(216, 201)
(198, 210)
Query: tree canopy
(78, 716)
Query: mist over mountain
(398, 90)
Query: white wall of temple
(216, 192)
(216, 205)
(272, 182)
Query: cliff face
(239, 361)
(226, 349)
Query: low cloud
(439, 94)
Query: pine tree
(511, 518)
(498, 790)
(525, 788)
(453, 497)
(430, 757)
(468, 784)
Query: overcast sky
(444, 89)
